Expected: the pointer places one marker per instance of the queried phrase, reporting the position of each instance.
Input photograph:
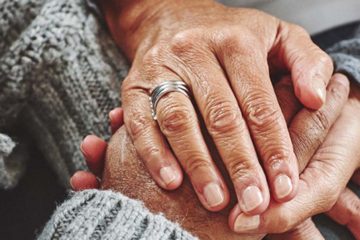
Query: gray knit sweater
(59, 76)
(97, 214)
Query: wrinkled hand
(345, 210)
(224, 55)
(324, 177)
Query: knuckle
(239, 168)
(275, 156)
(262, 114)
(184, 40)
(222, 116)
(153, 55)
(330, 200)
(321, 120)
(233, 44)
(325, 60)
(285, 222)
(299, 30)
(126, 85)
(196, 163)
(139, 125)
(150, 151)
(175, 118)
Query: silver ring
(164, 88)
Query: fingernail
(283, 186)
(111, 115)
(213, 194)
(245, 223)
(167, 174)
(251, 198)
(319, 89)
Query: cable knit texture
(109, 215)
(60, 75)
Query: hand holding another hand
(307, 133)
(225, 57)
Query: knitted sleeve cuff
(95, 214)
(346, 57)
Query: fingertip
(93, 148)
(311, 98)
(170, 177)
(240, 222)
(116, 114)
(83, 180)
(341, 79)
(284, 179)
(116, 119)
(235, 211)
(92, 145)
(215, 196)
(285, 188)
(253, 194)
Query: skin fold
(225, 56)
(125, 173)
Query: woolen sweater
(60, 74)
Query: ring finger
(178, 122)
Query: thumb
(304, 231)
(310, 67)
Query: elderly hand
(345, 210)
(324, 177)
(224, 55)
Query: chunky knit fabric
(346, 56)
(109, 215)
(59, 77)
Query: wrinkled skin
(224, 55)
(124, 172)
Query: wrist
(135, 24)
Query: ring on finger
(166, 87)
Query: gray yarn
(59, 77)
(346, 56)
(109, 215)
(60, 74)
